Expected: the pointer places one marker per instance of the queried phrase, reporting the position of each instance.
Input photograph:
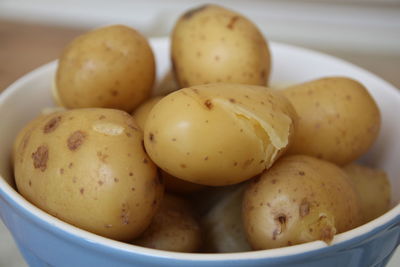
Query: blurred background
(364, 32)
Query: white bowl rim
(11, 196)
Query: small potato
(219, 134)
(174, 228)
(373, 188)
(223, 225)
(88, 167)
(141, 113)
(172, 184)
(110, 67)
(338, 119)
(300, 199)
(212, 44)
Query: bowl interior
(25, 99)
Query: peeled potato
(223, 225)
(300, 199)
(339, 119)
(373, 188)
(212, 44)
(174, 227)
(109, 67)
(219, 134)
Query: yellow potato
(219, 134)
(110, 67)
(172, 184)
(339, 119)
(212, 44)
(300, 199)
(141, 113)
(223, 225)
(174, 227)
(373, 188)
(88, 167)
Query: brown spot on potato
(208, 104)
(70, 165)
(235, 163)
(151, 137)
(216, 58)
(327, 233)
(304, 208)
(191, 12)
(302, 173)
(30, 183)
(131, 174)
(75, 140)
(232, 100)
(232, 22)
(116, 179)
(100, 182)
(273, 181)
(82, 190)
(102, 117)
(247, 162)
(62, 171)
(183, 165)
(145, 161)
(206, 158)
(40, 157)
(52, 124)
(173, 139)
(114, 92)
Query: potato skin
(109, 67)
(212, 44)
(219, 134)
(174, 227)
(339, 119)
(373, 187)
(88, 167)
(141, 113)
(300, 199)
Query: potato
(219, 134)
(141, 113)
(339, 120)
(212, 44)
(223, 225)
(167, 85)
(300, 199)
(373, 188)
(88, 167)
(174, 227)
(110, 67)
(172, 184)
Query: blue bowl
(44, 240)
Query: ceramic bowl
(46, 241)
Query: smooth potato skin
(174, 227)
(88, 167)
(339, 119)
(300, 199)
(212, 44)
(373, 188)
(110, 67)
(172, 184)
(213, 135)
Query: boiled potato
(141, 113)
(223, 225)
(339, 120)
(110, 67)
(300, 199)
(174, 227)
(88, 167)
(373, 188)
(172, 184)
(212, 44)
(219, 134)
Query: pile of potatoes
(222, 163)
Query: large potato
(110, 67)
(219, 134)
(300, 199)
(339, 120)
(212, 44)
(174, 227)
(88, 167)
(373, 188)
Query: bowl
(44, 240)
